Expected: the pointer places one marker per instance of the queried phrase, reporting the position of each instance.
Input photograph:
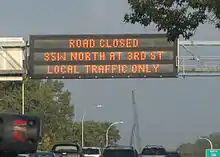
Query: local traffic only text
(103, 69)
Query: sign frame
(33, 50)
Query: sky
(171, 111)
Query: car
(120, 151)
(45, 154)
(27, 155)
(173, 154)
(66, 149)
(154, 150)
(38, 154)
(92, 151)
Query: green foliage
(186, 150)
(95, 132)
(197, 149)
(48, 100)
(176, 17)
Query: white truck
(154, 151)
(92, 151)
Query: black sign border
(31, 62)
(106, 76)
(94, 36)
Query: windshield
(26, 155)
(90, 151)
(45, 155)
(119, 153)
(173, 154)
(65, 148)
(21, 155)
(154, 151)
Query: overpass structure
(14, 52)
(14, 57)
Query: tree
(186, 150)
(45, 99)
(98, 132)
(198, 148)
(175, 17)
(48, 100)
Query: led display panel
(102, 56)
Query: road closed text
(103, 43)
(103, 69)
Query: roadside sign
(212, 153)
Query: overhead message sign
(102, 56)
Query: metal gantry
(198, 66)
(12, 51)
(191, 65)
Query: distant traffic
(75, 150)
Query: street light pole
(107, 131)
(82, 123)
(84, 114)
(205, 138)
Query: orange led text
(93, 56)
(103, 69)
(103, 43)
(154, 55)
